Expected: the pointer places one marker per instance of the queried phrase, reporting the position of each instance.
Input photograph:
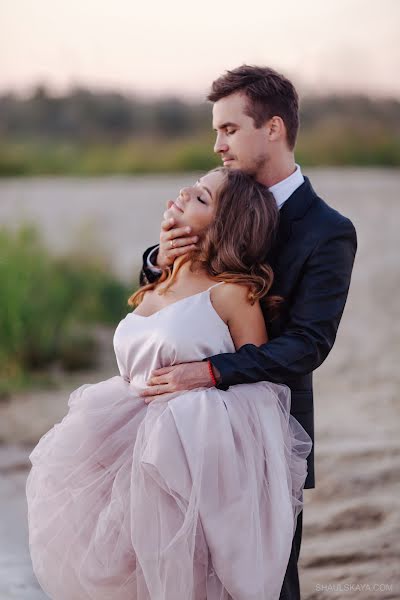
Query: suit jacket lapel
(283, 254)
(293, 209)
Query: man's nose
(220, 147)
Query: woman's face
(196, 205)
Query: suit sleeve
(314, 318)
(146, 274)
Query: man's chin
(229, 163)
(237, 166)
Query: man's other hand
(185, 376)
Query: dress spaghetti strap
(215, 285)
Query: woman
(195, 495)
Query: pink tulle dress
(191, 497)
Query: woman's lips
(177, 207)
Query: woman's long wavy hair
(236, 243)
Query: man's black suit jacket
(312, 260)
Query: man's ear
(276, 129)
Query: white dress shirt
(281, 192)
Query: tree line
(84, 114)
(93, 132)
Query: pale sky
(179, 47)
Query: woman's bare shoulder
(232, 298)
(234, 291)
(245, 320)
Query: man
(255, 116)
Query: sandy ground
(351, 537)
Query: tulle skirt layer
(192, 497)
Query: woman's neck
(190, 274)
(190, 270)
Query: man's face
(239, 143)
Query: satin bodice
(187, 330)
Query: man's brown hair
(269, 94)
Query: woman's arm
(245, 321)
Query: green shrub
(78, 350)
(43, 303)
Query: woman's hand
(180, 237)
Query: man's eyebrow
(225, 125)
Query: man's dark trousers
(291, 586)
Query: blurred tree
(45, 133)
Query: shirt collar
(285, 188)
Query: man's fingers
(163, 370)
(182, 243)
(158, 380)
(167, 224)
(178, 242)
(170, 254)
(175, 232)
(179, 251)
(154, 391)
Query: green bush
(44, 301)
(78, 350)
(329, 144)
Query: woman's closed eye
(201, 200)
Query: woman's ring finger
(172, 243)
